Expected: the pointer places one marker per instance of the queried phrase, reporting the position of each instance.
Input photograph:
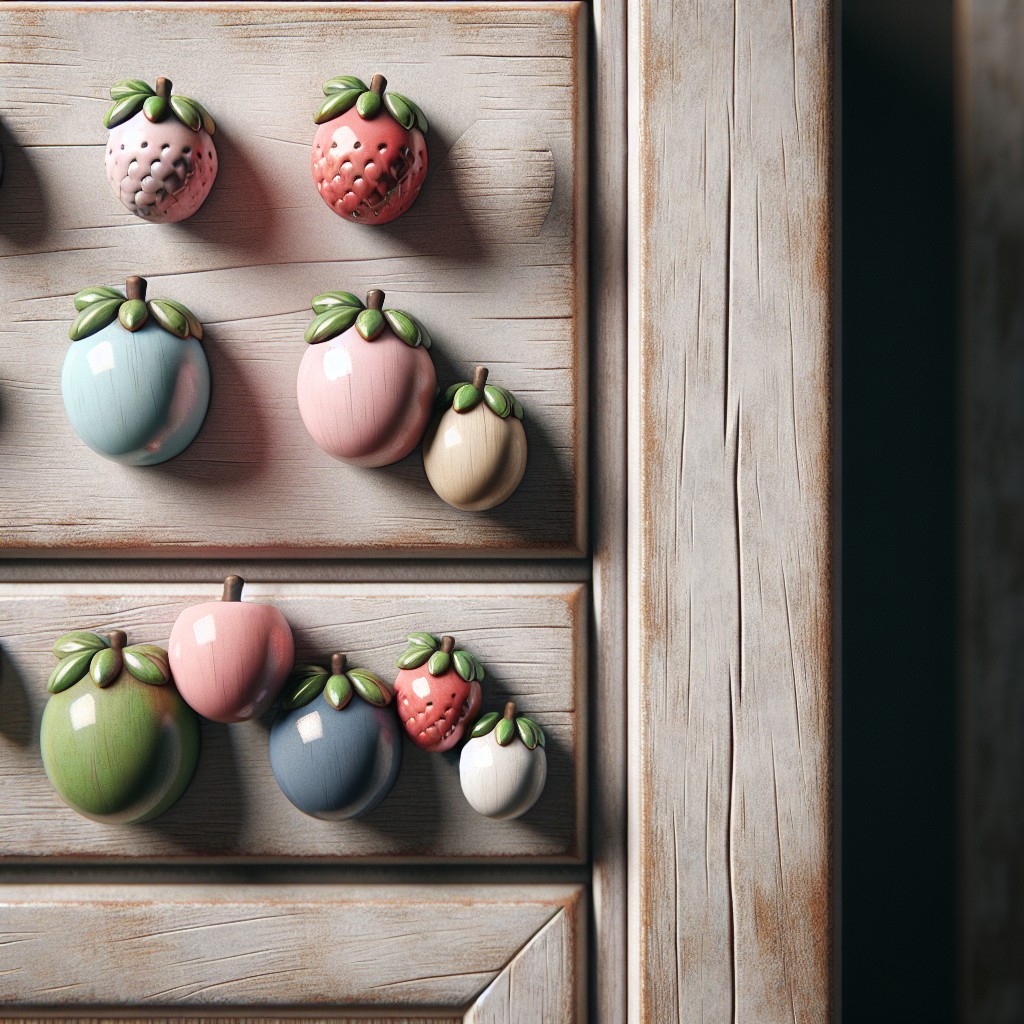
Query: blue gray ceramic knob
(136, 382)
(335, 747)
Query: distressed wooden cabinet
(657, 593)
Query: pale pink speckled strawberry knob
(161, 162)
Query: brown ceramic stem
(375, 299)
(135, 287)
(479, 377)
(118, 638)
(338, 662)
(510, 710)
(447, 644)
(163, 88)
(233, 588)
(378, 84)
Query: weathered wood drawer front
(491, 258)
(478, 954)
(530, 637)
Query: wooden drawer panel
(491, 258)
(531, 639)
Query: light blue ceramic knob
(136, 381)
(335, 748)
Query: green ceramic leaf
(421, 121)
(517, 408)
(497, 401)
(370, 688)
(370, 322)
(336, 105)
(338, 691)
(209, 125)
(464, 665)
(440, 662)
(331, 300)
(94, 318)
(399, 109)
(466, 398)
(368, 104)
(148, 663)
(425, 640)
(485, 724)
(536, 728)
(414, 656)
(526, 731)
(105, 666)
(478, 665)
(450, 392)
(155, 108)
(299, 672)
(130, 86)
(331, 323)
(305, 690)
(78, 640)
(403, 326)
(87, 296)
(124, 109)
(343, 83)
(186, 112)
(132, 314)
(425, 339)
(504, 731)
(195, 328)
(69, 671)
(169, 318)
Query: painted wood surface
(398, 948)
(531, 638)
(991, 87)
(732, 513)
(491, 259)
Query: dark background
(899, 362)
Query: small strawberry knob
(369, 157)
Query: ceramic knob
(366, 382)
(437, 691)
(230, 658)
(370, 151)
(136, 382)
(118, 742)
(161, 162)
(503, 767)
(475, 452)
(335, 748)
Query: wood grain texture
(531, 639)
(731, 536)
(991, 142)
(491, 258)
(393, 948)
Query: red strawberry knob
(438, 691)
(366, 383)
(335, 748)
(118, 743)
(370, 152)
(503, 767)
(474, 454)
(161, 162)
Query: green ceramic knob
(118, 742)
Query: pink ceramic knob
(366, 383)
(229, 658)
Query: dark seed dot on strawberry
(334, 145)
(122, 145)
(187, 149)
(144, 145)
(383, 146)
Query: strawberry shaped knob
(161, 162)
(136, 382)
(230, 658)
(475, 452)
(366, 383)
(118, 743)
(438, 691)
(503, 767)
(370, 152)
(335, 748)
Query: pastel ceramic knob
(161, 161)
(118, 743)
(370, 151)
(335, 748)
(503, 767)
(136, 382)
(366, 383)
(230, 658)
(437, 691)
(475, 452)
